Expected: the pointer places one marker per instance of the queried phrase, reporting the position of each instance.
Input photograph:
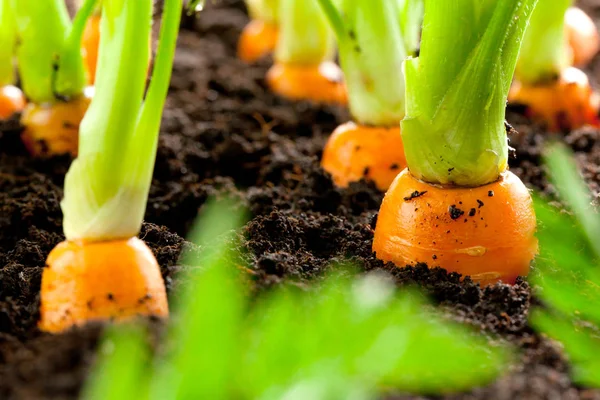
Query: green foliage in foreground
(568, 273)
(346, 339)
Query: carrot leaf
(456, 90)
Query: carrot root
(354, 152)
(12, 101)
(258, 39)
(322, 83)
(582, 36)
(95, 281)
(568, 102)
(53, 129)
(485, 232)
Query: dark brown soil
(224, 134)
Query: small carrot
(372, 47)
(102, 271)
(582, 34)
(52, 73)
(456, 205)
(553, 93)
(302, 68)
(560, 104)
(53, 128)
(112, 280)
(90, 43)
(12, 99)
(355, 152)
(259, 37)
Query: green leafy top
(372, 49)
(544, 52)
(567, 270)
(304, 35)
(107, 186)
(8, 41)
(49, 49)
(348, 337)
(456, 90)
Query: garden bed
(223, 134)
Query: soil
(224, 134)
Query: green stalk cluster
(8, 41)
(304, 35)
(264, 10)
(544, 53)
(107, 186)
(372, 49)
(456, 90)
(49, 50)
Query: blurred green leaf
(345, 337)
(568, 276)
(121, 369)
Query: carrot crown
(372, 49)
(544, 53)
(456, 90)
(49, 48)
(8, 40)
(304, 34)
(264, 10)
(107, 186)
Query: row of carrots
(429, 130)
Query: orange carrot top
(543, 74)
(303, 69)
(372, 47)
(102, 271)
(259, 37)
(456, 206)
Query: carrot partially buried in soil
(52, 74)
(554, 93)
(259, 37)
(12, 101)
(371, 56)
(303, 69)
(456, 206)
(102, 271)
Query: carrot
(53, 128)
(372, 47)
(89, 44)
(11, 101)
(456, 205)
(102, 271)
(79, 283)
(486, 232)
(355, 152)
(322, 83)
(303, 69)
(553, 93)
(52, 73)
(582, 35)
(565, 103)
(258, 39)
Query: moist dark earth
(224, 134)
